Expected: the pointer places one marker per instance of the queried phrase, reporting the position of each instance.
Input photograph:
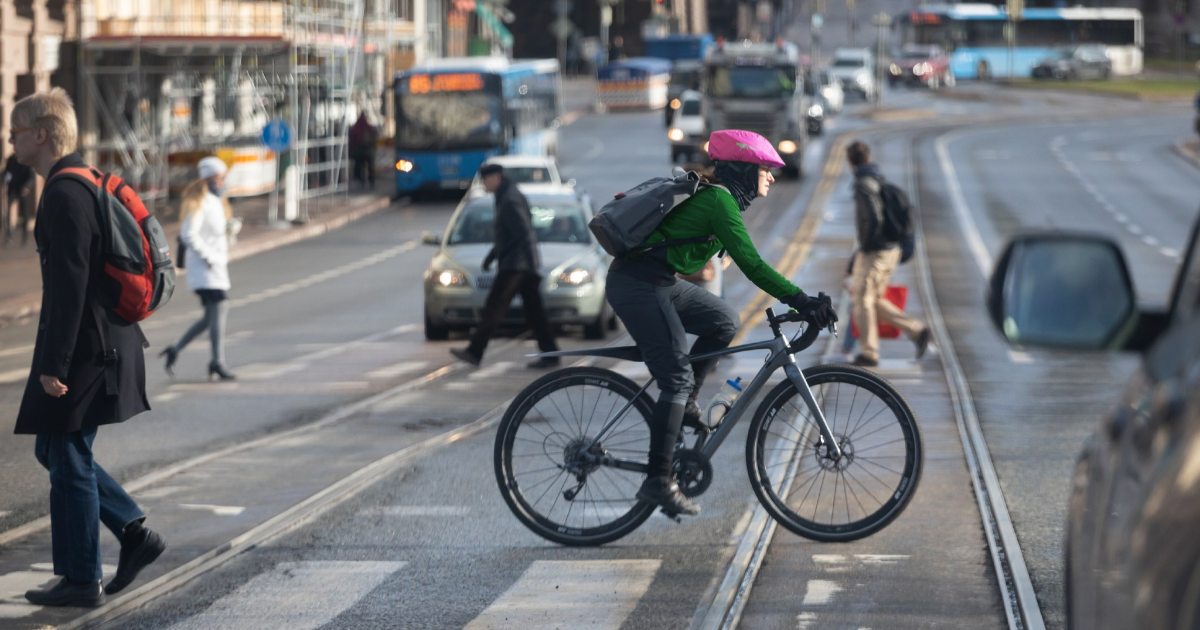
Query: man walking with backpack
(88, 368)
(516, 250)
(884, 227)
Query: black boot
(664, 492)
(221, 372)
(139, 547)
(693, 416)
(68, 593)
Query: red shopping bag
(895, 295)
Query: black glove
(817, 310)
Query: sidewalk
(20, 290)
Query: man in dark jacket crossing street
(67, 396)
(515, 248)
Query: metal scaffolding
(168, 82)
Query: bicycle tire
(906, 479)
(526, 508)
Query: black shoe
(922, 341)
(862, 361)
(171, 355)
(693, 416)
(221, 372)
(465, 355)
(68, 593)
(135, 557)
(666, 494)
(543, 363)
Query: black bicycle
(834, 451)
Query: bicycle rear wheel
(808, 491)
(549, 476)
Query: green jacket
(713, 211)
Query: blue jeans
(82, 496)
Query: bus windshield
(448, 120)
(752, 82)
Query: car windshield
(847, 62)
(528, 174)
(916, 54)
(445, 120)
(752, 82)
(554, 220)
(691, 107)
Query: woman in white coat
(205, 234)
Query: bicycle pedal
(674, 516)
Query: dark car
(921, 65)
(1132, 550)
(1087, 61)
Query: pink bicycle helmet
(737, 145)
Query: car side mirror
(431, 238)
(1064, 291)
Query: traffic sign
(277, 135)
(817, 21)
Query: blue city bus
(974, 36)
(452, 114)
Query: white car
(831, 91)
(687, 127)
(855, 67)
(574, 268)
(531, 173)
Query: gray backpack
(624, 223)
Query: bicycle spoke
(874, 446)
(880, 466)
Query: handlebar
(806, 339)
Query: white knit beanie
(210, 166)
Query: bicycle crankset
(693, 471)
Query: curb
(1189, 150)
(30, 304)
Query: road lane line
(286, 598)
(820, 592)
(1019, 356)
(13, 604)
(219, 510)
(975, 245)
(14, 376)
(1020, 600)
(555, 594)
(396, 369)
(15, 351)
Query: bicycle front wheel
(552, 475)
(799, 481)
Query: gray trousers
(659, 318)
(216, 312)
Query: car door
(1147, 546)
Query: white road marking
(167, 397)
(418, 510)
(975, 244)
(396, 369)
(1169, 253)
(268, 371)
(491, 371)
(877, 559)
(13, 604)
(1150, 240)
(820, 592)
(219, 510)
(14, 376)
(554, 594)
(1019, 356)
(283, 599)
(805, 620)
(1134, 229)
(15, 351)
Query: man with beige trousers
(874, 263)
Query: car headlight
(405, 166)
(921, 68)
(787, 146)
(894, 69)
(449, 278)
(675, 134)
(816, 111)
(862, 79)
(705, 147)
(575, 276)
(675, 103)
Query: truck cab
(760, 88)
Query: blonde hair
(53, 112)
(193, 197)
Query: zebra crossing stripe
(556, 594)
(283, 599)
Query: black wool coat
(68, 338)
(515, 239)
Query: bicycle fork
(832, 448)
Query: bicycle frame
(780, 357)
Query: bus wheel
(983, 71)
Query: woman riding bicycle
(658, 311)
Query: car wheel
(435, 332)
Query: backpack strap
(677, 241)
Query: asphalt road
(431, 545)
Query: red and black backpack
(138, 276)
